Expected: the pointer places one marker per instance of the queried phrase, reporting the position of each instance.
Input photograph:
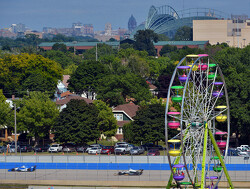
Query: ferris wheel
(197, 109)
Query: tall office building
(108, 29)
(132, 24)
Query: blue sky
(37, 14)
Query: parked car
(55, 148)
(81, 148)
(153, 152)
(2, 149)
(120, 144)
(92, 146)
(137, 150)
(26, 148)
(11, 148)
(69, 149)
(123, 148)
(149, 146)
(108, 150)
(95, 150)
(41, 148)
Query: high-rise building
(108, 29)
(88, 29)
(132, 24)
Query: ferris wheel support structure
(197, 137)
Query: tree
(86, 77)
(167, 49)
(77, 123)
(107, 124)
(16, 71)
(235, 63)
(144, 41)
(163, 37)
(114, 89)
(5, 111)
(37, 114)
(184, 33)
(148, 125)
(59, 47)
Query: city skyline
(62, 13)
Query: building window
(119, 117)
(236, 29)
(119, 130)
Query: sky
(36, 14)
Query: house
(152, 88)
(62, 86)
(67, 96)
(124, 114)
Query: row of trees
(118, 75)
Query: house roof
(73, 44)
(151, 86)
(161, 43)
(68, 98)
(65, 80)
(130, 109)
(67, 93)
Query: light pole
(15, 130)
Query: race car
(23, 169)
(131, 172)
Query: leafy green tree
(64, 59)
(59, 47)
(15, 69)
(126, 46)
(163, 37)
(114, 89)
(235, 63)
(37, 114)
(184, 33)
(144, 41)
(77, 123)
(167, 49)
(102, 50)
(86, 77)
(38, 82)
(148, 125)
(5, 111)
(107, 124)
(32, 39)
(6, 48)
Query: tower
(132, 23)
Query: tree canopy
(148, 125)
(19, 73)
(77, 123)
(107, 124)
(5, 111)
(86, 77)
(37, 114)
(144, 41)
(184, 33)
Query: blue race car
(23, 169)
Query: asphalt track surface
(93, 178)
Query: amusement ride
(197, 109)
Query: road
(150, 178)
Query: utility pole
(13, 98)
(96, 52)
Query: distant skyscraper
(132, 23)
(108, 29)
